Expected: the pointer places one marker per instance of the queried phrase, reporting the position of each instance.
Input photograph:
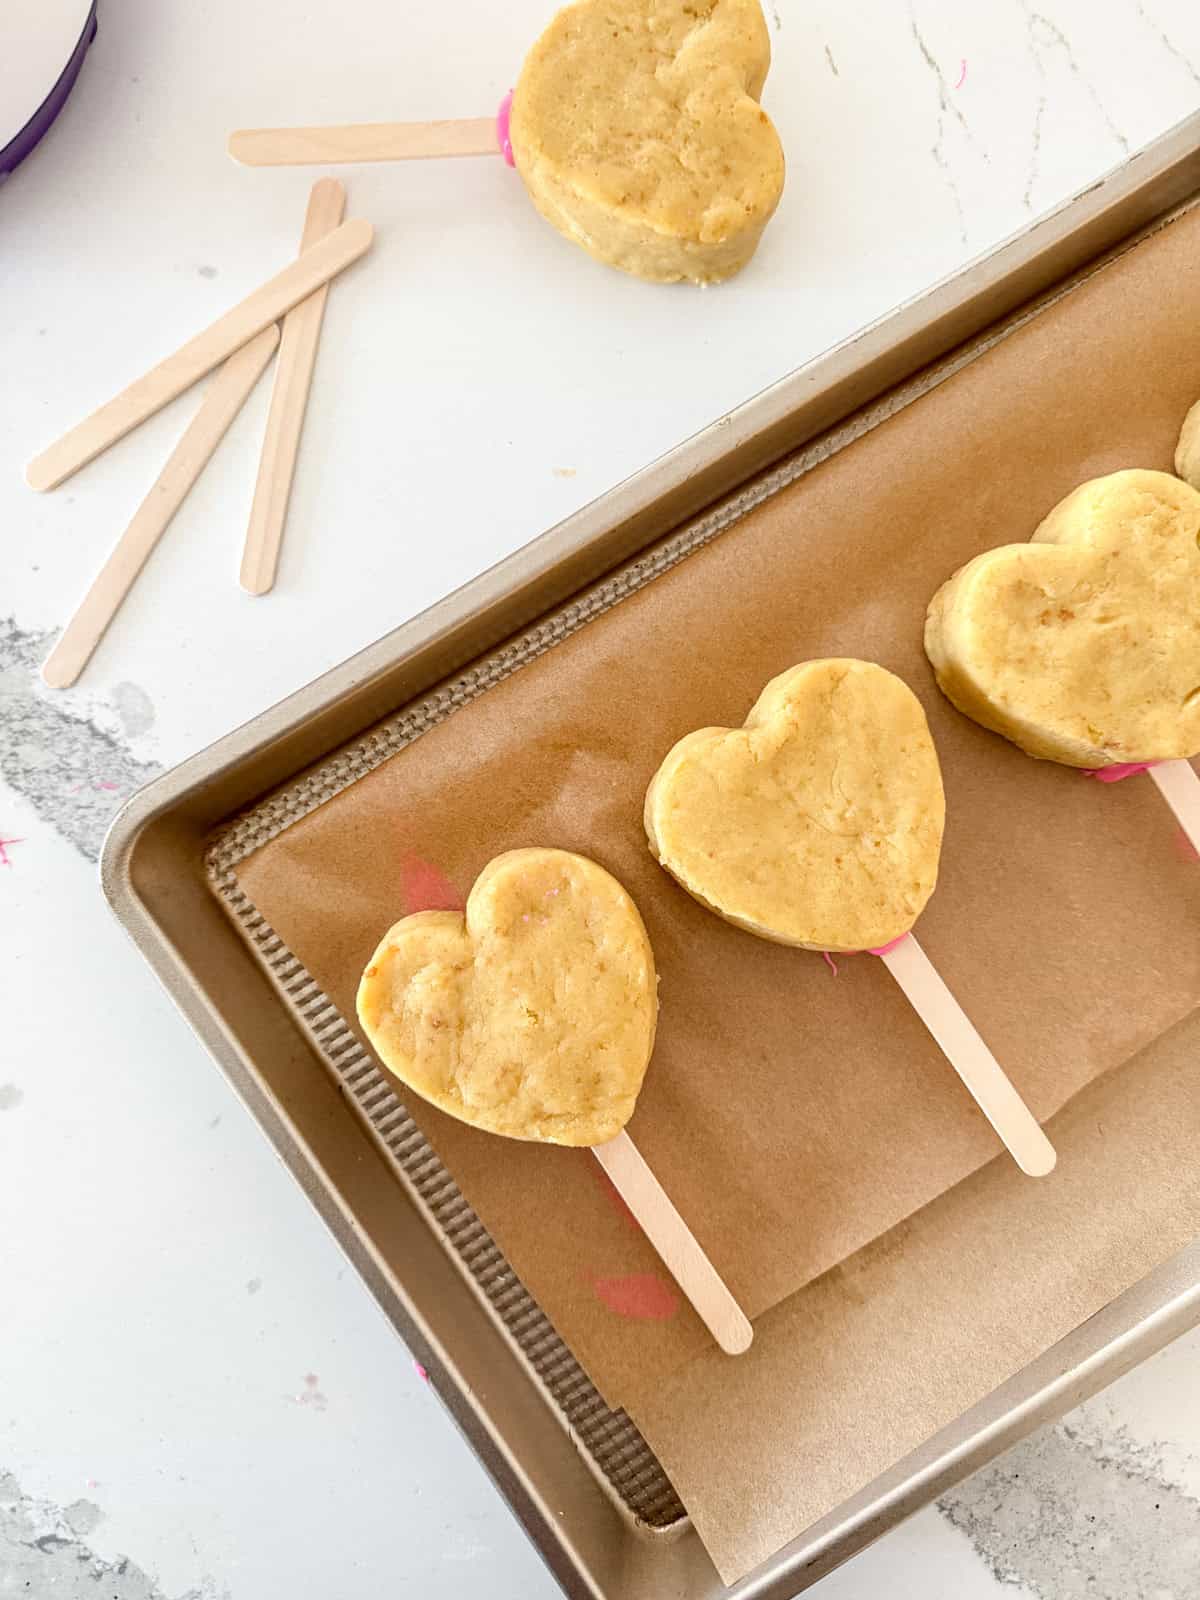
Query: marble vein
(1167, 43)
(946, 108)
(73, 773)
(43, 1551)
(1067, 1517)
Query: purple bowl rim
(26, 140)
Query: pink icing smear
(424, 888)
(1118, 770)
(885, 949)
(643, 1296)
(503, 117)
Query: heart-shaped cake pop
(819, 821)
(637, 130)
(533, 1014)
(1084, 645)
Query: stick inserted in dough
(1180, 788)
(676, 1244)
(366, 141)
(966, 1052)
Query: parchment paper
(867, 1363)
(794, 1116)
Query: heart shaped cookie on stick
(1083, 646)
(635, 125)
(533, 1015)
(818, 823)
(637, 131)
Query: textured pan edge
(610, 1442)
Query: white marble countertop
(198, 1396)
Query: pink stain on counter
(421, 1372)
(638, 1296)
(424, 888)
(5, 859)
(962, 74)
(310, 1395)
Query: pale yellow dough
(1084, 645)
(637, 130)
(1187, 451)
(817, 823)
(533, 1015)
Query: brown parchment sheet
(794, 1116)
(871, 1360)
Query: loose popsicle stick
(969, 1056)
(673, 1239)
(199, 355)
(1180, 788)
(289, 398)
(366, 141)
(220, 405)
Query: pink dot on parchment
(640, 1296)
(424, 888)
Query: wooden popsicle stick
(366, 141)
(222, 402)
(1180, 788)
(289, 398)
(676, 1244)
(969, 1056)
(200, 355)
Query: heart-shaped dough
(819, 821)
(1084, 645)
(637, 130)
(533, 1014)
(1187, 451)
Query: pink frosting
(1118, 770)
(885, 948)
(502, 121)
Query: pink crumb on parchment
(424, 888)
(829, 962)
(420, 1372)
(5, 860)
(962, 74)
(640, 1296)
